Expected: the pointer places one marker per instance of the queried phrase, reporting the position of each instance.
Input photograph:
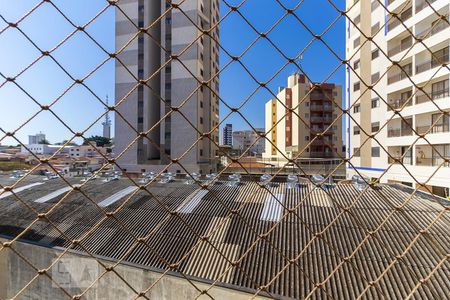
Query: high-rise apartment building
(227, 135)
(38, 138)
(398, 91)
(188, 81)
(304, 121)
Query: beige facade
(304, 121)
(418, 89)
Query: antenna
(107, 118)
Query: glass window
(375, 102)
(356, 130)
(357, 108)
(375, 151)
(375, 126)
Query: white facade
(420, 93)
(41, 149)
(249, 140)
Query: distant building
(245, 139)
(302, 121)
(38, 138)
(42, 149)
(86, 151)
(227, 135)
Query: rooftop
(302, 237)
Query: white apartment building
(301, 111)
(43, 149)
(406, 107)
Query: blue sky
(45, 81)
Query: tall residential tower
(398, 91)
(299, 113)
(192, 58)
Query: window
(201, 120)
(356, 130)
(356, 152)
(375, 102)
(356, 42)
(375, 126)
(356, 86)
(356, 64)
(440, 89)
(356, 108)
(375, 54)
(375, 77)
(375, 151)
(306, 138)
(307, 116)
(201, 152)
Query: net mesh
(292, 260)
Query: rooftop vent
(360, 182)
(192, 178)
(292, 181)
(265, 179)
(317, 179)
(234, 180)
(166, 177)
(146, 177)
(211, 178)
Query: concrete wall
(16, 274)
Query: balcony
(321, 154)
(423, 98)
(431, 162)
(432, 63)
(316, 119)
(398, 103)
(399, 76)
(394, 22)
(401, 47)
(397, 132)
(421, 4)
(433, 29)
(438, 128)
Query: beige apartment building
(407, 107)
(304, 121)
(178, 84)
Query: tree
(69, 144)
(44, 142)
(98, 140)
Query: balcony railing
(399, 132)
(321, 154)
(432, 96)
(399, 103)
(431, 162)
(421, 4)
(399, 76)
(399, 160)
(399, 48)
(403, 17)
(317, 119)
(438, 128)
(432, 30)
(432, 63)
